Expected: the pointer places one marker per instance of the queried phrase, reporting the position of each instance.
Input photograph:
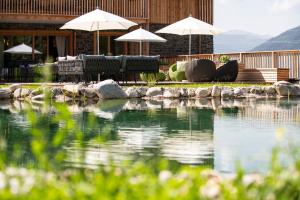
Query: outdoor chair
(202, 70)
(139, 64)
(227, 72)
(70, 69)
(100, 66)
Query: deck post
(273, 60)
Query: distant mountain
(289, 40)
(237, 41)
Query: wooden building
(37, 23)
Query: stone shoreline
(109, 89)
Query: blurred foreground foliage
(47, 175)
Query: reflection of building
(152, 133)
(37, 23)
(248, 136)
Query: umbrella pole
(190, 45)
(98, 52)
(140, 48)
(190, 50)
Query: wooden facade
(58, 12)
(152, 11)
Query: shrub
(176, 75)
(153, 77)
(224, 59)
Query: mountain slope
(289, 40)
(237, 41)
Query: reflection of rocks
(216, 103)
(63, 98)
(38, 97)
(189, 149)
(154, 104)
(108, 109)
(135, 104)
(171, 103)
(5, 104)
(109, 89)
(203, 103)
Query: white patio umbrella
(140, 35)
(22, 49)
(190, 26)
(98, 20)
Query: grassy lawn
(197, 85)
(28, 86)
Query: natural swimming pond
(214, 133)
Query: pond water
(218, 134)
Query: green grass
(27, 86)
(197, 85)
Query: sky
(266, 17)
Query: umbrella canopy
(98, 20)
(190, 26)
(22, 49)
(140, 35)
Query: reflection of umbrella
(98, 20)
(140, 35)
(190, 26)
(22, 49)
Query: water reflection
(212, 132)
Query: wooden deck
(267, 66)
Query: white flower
(14, 185)
(164, 175)
(211, 190)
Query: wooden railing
(256, 60)
(124, 8)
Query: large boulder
(14, 87)
(216, 91)
(21, 93)
(154, 92)
(238, 92)
(203, 92)
(72, 90)
(109, 89)
(171, 93)
(5, 93)
(136, 92)
(227, 93)
(285, 89)
(89, 93)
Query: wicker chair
(138, 64)
(105, 66)
(70, 68)
(201, 71)
(227, 72)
